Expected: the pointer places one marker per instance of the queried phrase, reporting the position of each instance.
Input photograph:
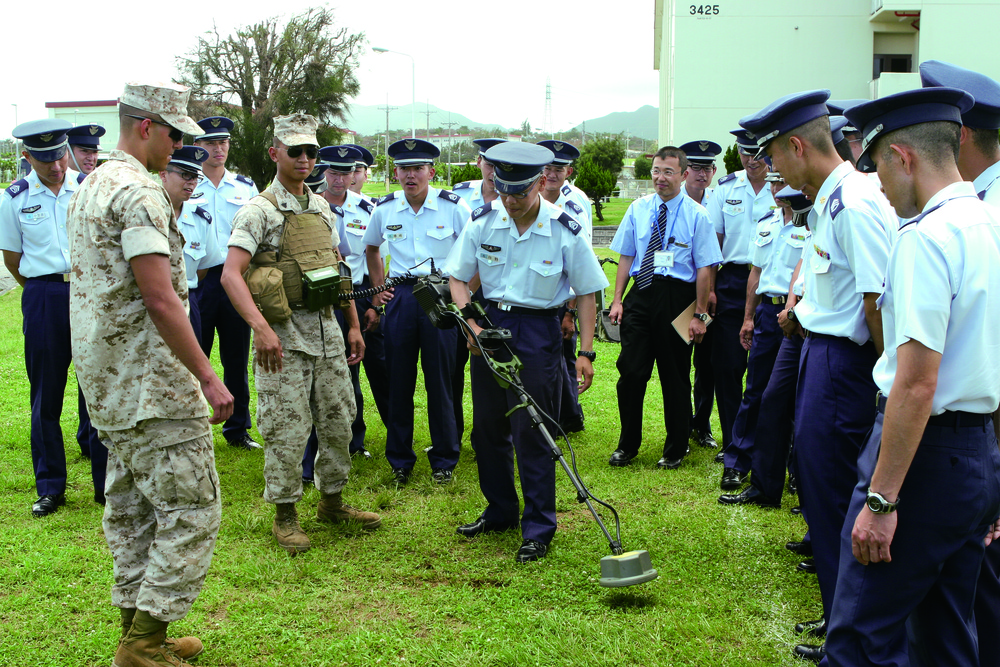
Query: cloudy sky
(486, 60)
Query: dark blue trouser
(409, 334)
(704, 383)
(767, 337)
(194, 301)
(729, 359)
(918, 608)
(835, 410)
(774, 431)
(537, 341)
(218, 314)
(47, 355)
(987, 605)
(569, 403)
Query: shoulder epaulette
(366, 206)
(573, 206)
(80, 177)
(17, 187)
(566, 190)
(465, 185)
(569, 223)
(836, 204)
(244, 179)
(448, 195)
(385, 198)
(482, 210)
(727, 178)
(204, 214)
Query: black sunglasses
(312, 152)
(175, 134)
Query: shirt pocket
(37, 229)
(491, 266)
(791, 251)
(440, 238)
(819, 266)
(543, 279)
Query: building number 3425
(704, 10)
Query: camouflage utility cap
(296, 129)
(168, 100)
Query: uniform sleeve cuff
(137, 241)
(242, 239)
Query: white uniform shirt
(941, 290)
(33, 223)
(532, 270)
(777, 249)
(352, 222)
(222, 203)
(200, 244)
(734, 210)
(851, 233)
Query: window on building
(886, 62)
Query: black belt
(52, 278)
(657, 277)
(215, 269)
(522, 310)
(745, 267)
(948, 418)
(814, 334)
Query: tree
(609, 154)
(525, 128)
(597, 170)
(267, 70)
(643, 168)
(467, 172)
(731, 160)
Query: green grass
(414, 592)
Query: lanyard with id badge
(664, 259)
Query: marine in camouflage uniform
(300, 367)
(128, 316)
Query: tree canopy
(643, 168)
(269, 69)
(597, 170)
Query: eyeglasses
(523, 194)
(669, 173)
(701, 167)
(186, 176)
(175, 134)
(312, 152)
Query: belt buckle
(503, 306)
(65, 277)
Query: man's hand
(568, 325)
(584, 373)
(712, 300)
(470, 342)
(219, 398)
(788, 327)
(872, 536)
(993, 533)
(746, 334)
(371, 320)
(267, 349)
(383, 298)
(616, 312)
(697, 329)
(357, 346)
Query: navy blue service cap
(316, 181)
(216, 127)
(45, 139)
(798, 201)
(189, 158)
(912, 107)
(409, 152)
(563, 152)
(517, 165)
(744, 141)
(340, 158)
(838, 124)
(837, 108)
(785, 114)
(486, 144)
(773, 177)
(367, 159)
(985, 113)
(701, 151)
(86, 136)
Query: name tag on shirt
(663, 259)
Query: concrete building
(101, 112)
(721, 61)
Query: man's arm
(789, 327)
(906, 412)
(874, 320)
(12, 260)
(460, 297)
(152, 276)
(376, 275)
(621, 280)
(266, 345)
(753, 299)
(697, 328)
(587, 305)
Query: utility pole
(387, 109)
(428, 114)
(547, 117)
(449, 125)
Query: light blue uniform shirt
(695, 245)
(532, 270)
(986, 184)
(222, 203)
(705, 198)
(351, 221)
(941, 290)
(734, 209)
(33, 223)
(777, 248)
(414, 238)
(200, 244)
(471, 193)
(850, 243)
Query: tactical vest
(306, 244)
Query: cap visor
(47, 156)
(182, 123)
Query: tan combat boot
(332, 509)
(143, 645)
(184, 648)
(287, 530)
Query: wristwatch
(878, 504)
(588, 355)
(380, 310)
(702, 316)
(792, 317)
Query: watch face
(874, 505)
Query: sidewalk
(6, 280)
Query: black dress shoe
(808, 566)
(573, 425)
(442, 476)
(46, 505)
(750, 496)
(620, 458)
(720, 457)
(732, 479)
(363, 453)
(401, 475)
(531, 550)
(243, 442)
(705, 439)
(815, 628)
(793, 485)
(797, 510)
(810, 652)
(481, 526)
(801, 548)
(307, 481)
(669, 464)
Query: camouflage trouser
(307, 391)
(162, 514)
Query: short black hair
(936, 141)
(673, 151)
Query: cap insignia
(342, 152)
(216, 122)
(45, 137)
(199, 154)
(410, 144)
(93, 129)
(558, 146)
(703, 145)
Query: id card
(663, 259)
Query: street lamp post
(413, 86)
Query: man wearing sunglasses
(300, 363)
(145, 378)
(222, 194)
(36, 252)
